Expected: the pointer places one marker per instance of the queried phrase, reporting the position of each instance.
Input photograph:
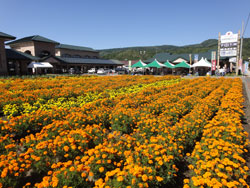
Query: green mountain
(146, 52)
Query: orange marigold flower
(66, 148)
(158, 178)
(101, 169)
(144, 177)
(120, 178)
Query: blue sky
(102, 24)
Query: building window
(87, 56)
(44, 53)
(76, 56)
(28, 52)
(95, 57)
(66, 55)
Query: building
(3, 61)
(62, 57)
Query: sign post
(213, 59)
(190, 60)
(229, 47)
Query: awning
(40, 65)
(155, 64)
(139, 64)
(169, 65)
(183, 64)
(202, 63)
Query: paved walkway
(246, 82)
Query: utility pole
(238, 54)
(218, 53)
(241, 40)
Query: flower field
(122, 131)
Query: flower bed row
(21, 93)
(218, 159)
(67, 103)
(162, 152)
(33, 122)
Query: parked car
(121, 71)
(71, 71)
(92, 71)
(110, 71)
(102, 71)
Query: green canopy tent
(169, 65)
(155, 64)
(139, 64)
(183, 64)
(181, 67)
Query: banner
(232, 60)
(196, 57)
(240, 64)
(213, 59)
(246, 63)
(228, 45)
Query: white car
(92, 71)
(102, 71)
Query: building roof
(33, 38)
(163, 57)
(7, 36)
(16, 55)
(126, 63)
(70, 60)
(72, 47)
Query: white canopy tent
(40, 65)
(202, 63)
(208, 61)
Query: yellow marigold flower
(83, 174)
(220, 165)
(229, 169)
(104, 156)
(101, 169)
(72, 169)
(49, 172)
(190, 166)
(133, 181)
(186, 186)
(66, 148)
(120, 178)
(186, 180)
(144, 177)
(158, 178)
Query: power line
(246, 24)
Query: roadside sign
(213, 59)
(228, 44)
